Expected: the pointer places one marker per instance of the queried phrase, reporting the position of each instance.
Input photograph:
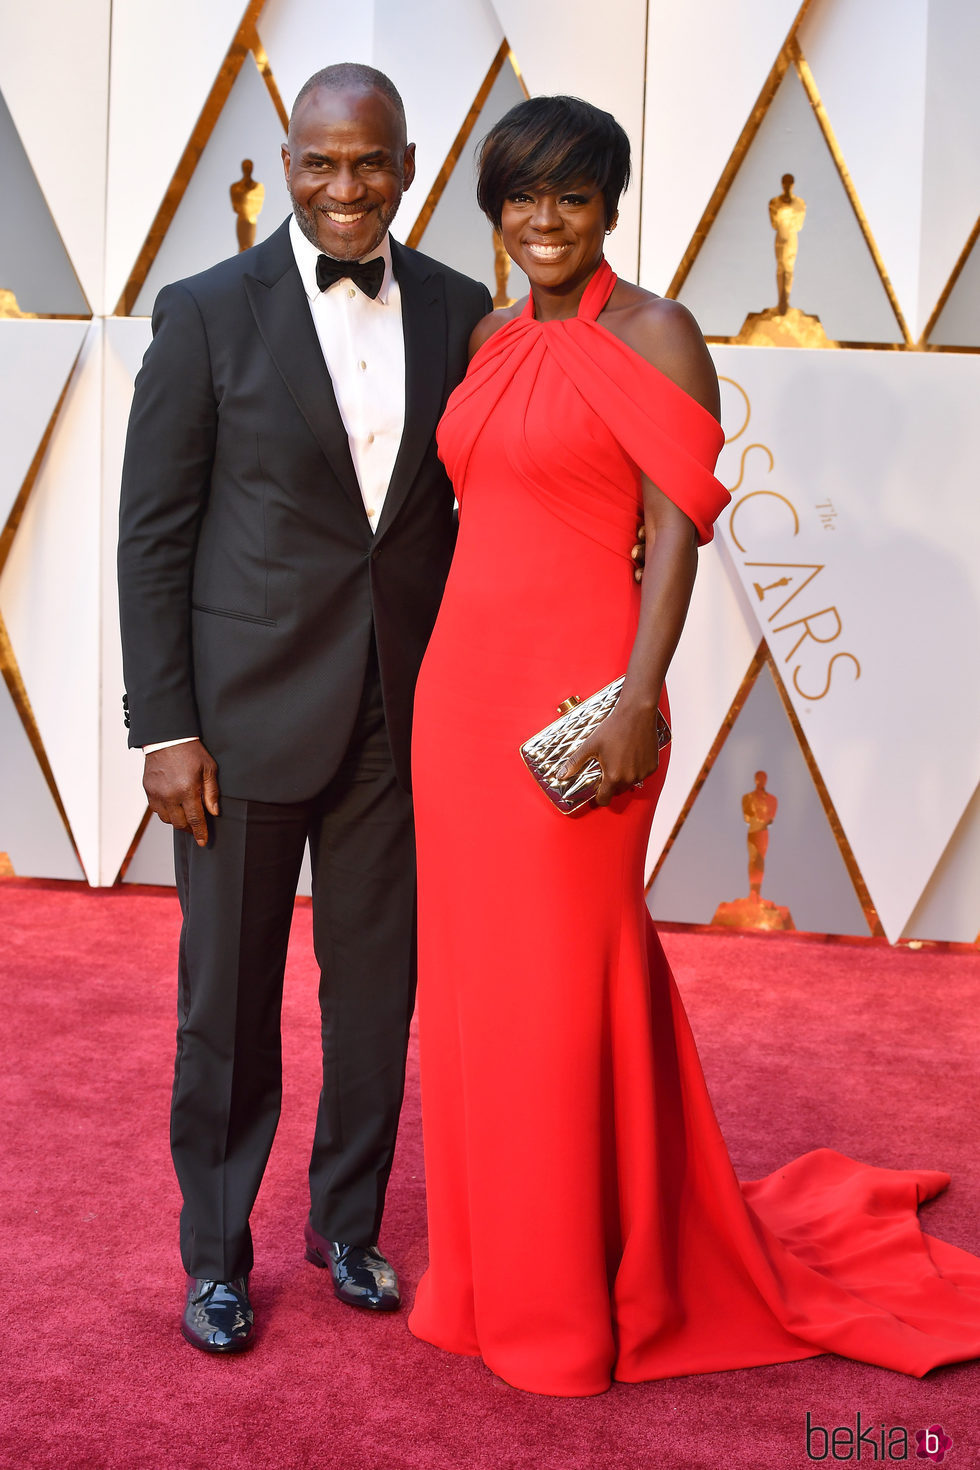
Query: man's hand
(181, 782)
(639, 553)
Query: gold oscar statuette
(247, 199)
(9, 310)
(784, 325)
(6, 866)
(501, 270)
(755, 912)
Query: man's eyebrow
(377, 155)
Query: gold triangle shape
(131, 850)
(744, 142)
(9, 667)
(504, 54)
(9, 306)
(790, 55)
(830, 811)
(947, 291)
(734, 710)
(246, 41)
(763, 658)
(810, 87)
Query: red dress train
(567, 1125)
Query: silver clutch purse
(545, 753)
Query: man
(286, 529)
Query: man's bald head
(352, 76)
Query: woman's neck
(560, 303)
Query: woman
(585, 1222)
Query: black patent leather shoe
(361, 1275)
(218, 1315)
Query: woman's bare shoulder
(665, 333)
(491, 323)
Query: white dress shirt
(363, 346)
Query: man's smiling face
(347, 165)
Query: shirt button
(370, 438)
(351, 292)
(372, 512)
(362, 365)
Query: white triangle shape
(868, 61)
(32, 833)
(835, 274)
(457, 232)
(122, 799)
(459, 51)
(285, 28)
(54, 71)
(804, 871)
(715, 649)
(202, 231)
(949, 907)
(50, 599)
(951, 167)
(164, 63)
(958, 324)
(555, 56)
(35, 361)
(706, 65)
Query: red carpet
(857, 1047)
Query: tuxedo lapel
(282, 315)
(424, 325)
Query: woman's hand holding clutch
(626, 747)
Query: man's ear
(408, 166)
(285, 161)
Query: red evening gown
(585, 1222)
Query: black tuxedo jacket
(249, 577)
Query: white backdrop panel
(122, 798)
(50, 595)
(31, 830)
(712, 657)
(867, 61)
(165, 59)
(35, 360)
(950, 906)
(959, 320)
(438, 78)
(302, 36)
(203, 229)
(804, 870)
(556, 56)
(835, 277)
(706, 65)
(861, 486)
(458, 232)
(951, 167)
(951, 185)
(34, 264)
(54, 73)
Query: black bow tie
(367, 274)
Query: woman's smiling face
(555, 235)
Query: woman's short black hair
(550, 142)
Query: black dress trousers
(237, 897)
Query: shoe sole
(219, 1351)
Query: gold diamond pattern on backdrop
(940, 334)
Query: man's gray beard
(306, 219)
